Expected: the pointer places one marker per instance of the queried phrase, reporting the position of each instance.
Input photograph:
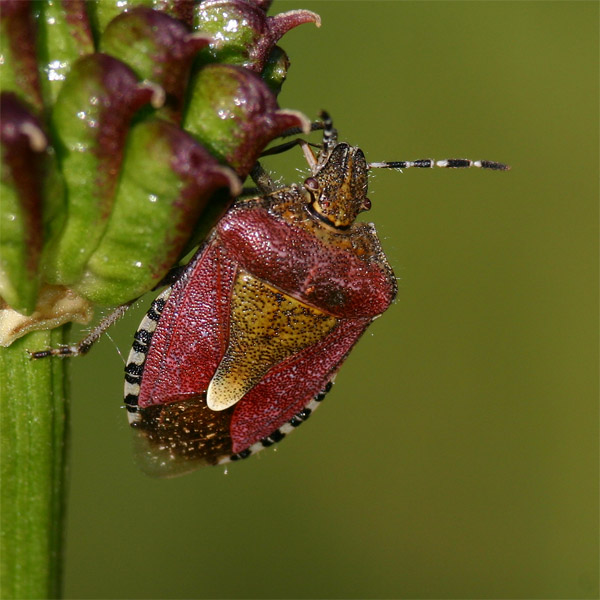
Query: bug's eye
(366, 204)
(311, 184)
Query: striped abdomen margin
(134, 368)
(279, 434)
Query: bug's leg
(330, 137)
(279, 149)
(262, 179)
(448, 163)
(86, 343)
(315, 126)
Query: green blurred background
(457, 456)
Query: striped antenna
(448, 163)
(330, 137)
(330, 134)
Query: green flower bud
(275, 70)
(166, 181)
(91, 118)
(23, 145)
(18, 62)
(243, 35)
(102, 12)
(64, 35)
(235, 115)
(158, 48)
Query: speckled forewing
(327, 276)
(192, 333)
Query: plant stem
(33, 419)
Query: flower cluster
(127, 128)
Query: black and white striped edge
(134, 368)
(279, 434)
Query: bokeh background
(457, 456)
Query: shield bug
(247, 342)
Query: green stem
(33, 419)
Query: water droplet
(232, 25)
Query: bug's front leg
(84, 346)
(262, 179)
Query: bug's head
(338, 189)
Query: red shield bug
(246, 343)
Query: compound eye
(366, 204)
(311, 184)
